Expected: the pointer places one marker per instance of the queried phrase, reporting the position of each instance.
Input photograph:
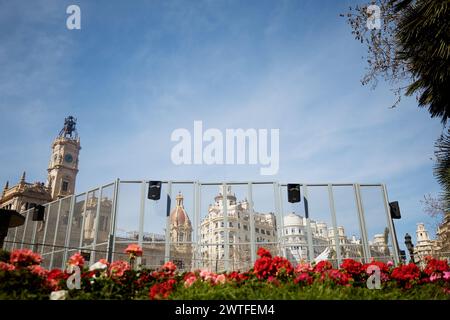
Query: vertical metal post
(46, 221)
(308, 225)
(195, 242)
(55, 236)
(278, 216)
(334, 222)
(69, 228)
(27, 217)
(226, 251)
(364, 234)
(361, 225)
(168, 240)
(96, 222)
(252, 224)
(83, 220)
(113, 226)
(141, 218)
(280, 197)
(35, 245)
(13, 245)
(390, 224)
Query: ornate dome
(292, 220)
(178, 215)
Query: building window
(65, 186)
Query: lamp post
(409, 246)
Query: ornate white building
(425, 246)
(295, 240)
(212, 232)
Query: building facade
(295, 240)
(213, 229)
(425, 246)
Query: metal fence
(333, 221)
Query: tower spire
(5, 188)
(22, 179)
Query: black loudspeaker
(395, 210)
(38, 213)
(154, 190)
(293, 192)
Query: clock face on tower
(68, 158)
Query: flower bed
(22, 277)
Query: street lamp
(409, 246)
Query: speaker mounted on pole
(395, 210)
(38, 213)
(293, 192)
(154, 190)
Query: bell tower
(63, 166)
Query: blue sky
(137, 71)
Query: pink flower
(76, 260)
(207, 275)
(6, 266)
(304, 278)
(38, 270)
(303, 267)
(447, 275)
(220, 279)
(390, 264)
(435, 276)
(25, 257)
(118, 268)
(134, 250)
(189, 281)
(169, 266)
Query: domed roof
(178, 215)
(292, 220)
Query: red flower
(134, 250)
(405, 274)
(304, 278)
(162, 290)
(322, 266)
(118, 268)
(282, 265)
(266, 266)
(263, 253)
(76, 260)
(238, 277)
(56, 274)
(436, 266)
(262, 267)
(169, 267)
(25, 257)
(352, 267)
(384, 268)
(6, 266)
